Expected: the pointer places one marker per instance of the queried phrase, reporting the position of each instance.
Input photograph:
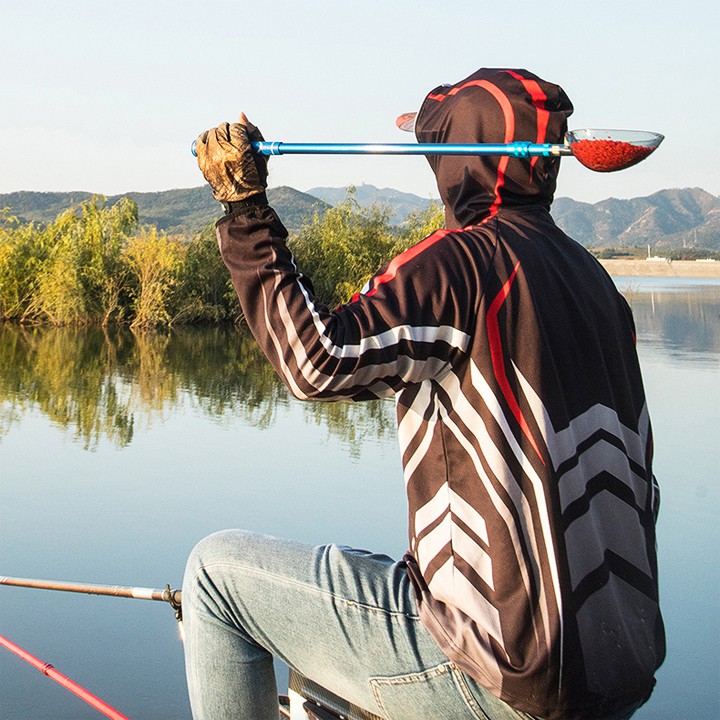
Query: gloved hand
(228, 163)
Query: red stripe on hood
(543, 115)
(508, 116)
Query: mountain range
(688, 217)
(667, 219)
(183, 211)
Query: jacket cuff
(257, 200)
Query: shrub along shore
(94, 264)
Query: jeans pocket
(438, 692)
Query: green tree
(419, 225)
(80, 277)
(92, 265)
(103, 233)
(154, 261)
(204, 292)
(344, 248)
(58, 296)
(341, 250)
(22, 253)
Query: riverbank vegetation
(94, 264)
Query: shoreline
(661, 268)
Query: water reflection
(678, 316)
(101, 384)
(191, 431)
(70, 376)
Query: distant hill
(176, 211)
(689, 217)
(668, 219)
(402, 203)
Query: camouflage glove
(228, 163)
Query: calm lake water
(118, 453)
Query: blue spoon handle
(514, 149)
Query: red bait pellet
(609, 155)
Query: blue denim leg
(345, 618)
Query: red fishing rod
(168, 595)
(64, 680)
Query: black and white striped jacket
(525, 440)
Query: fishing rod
(168, 595)
(48, 670)
(600, 150)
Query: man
(530, 585)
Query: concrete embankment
(662, 268)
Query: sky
(107, 96)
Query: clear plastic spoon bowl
(608, 150)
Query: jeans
(345, 618)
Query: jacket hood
(493, 106)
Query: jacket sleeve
(404, 328)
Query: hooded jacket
(522, 422)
